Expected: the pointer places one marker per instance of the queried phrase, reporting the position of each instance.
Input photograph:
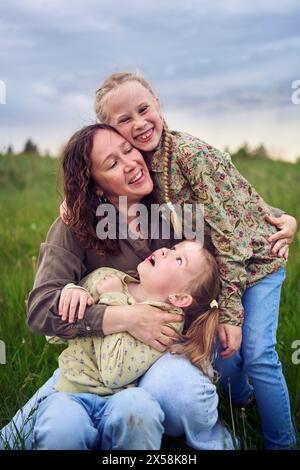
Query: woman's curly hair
(80, 190)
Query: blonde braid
(167, 150)
(167, 143)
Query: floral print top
(234, 222)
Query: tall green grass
(29, 203)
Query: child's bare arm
(72, 298)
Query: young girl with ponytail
(185, 169)
(107, 365)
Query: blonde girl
(185, 169)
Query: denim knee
(62, 423)
(259, 356)
(187, 397)
(132, 420)
(139, 403)
(139, 409)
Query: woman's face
(118, 168)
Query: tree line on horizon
(243, 152)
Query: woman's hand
(69, 301)
(63, 212)
(146, 323)
(287, 227)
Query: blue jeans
(18, 433)
(130, 419)
(189, 401)
(258, 361)
(173, 397)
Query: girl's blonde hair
(201, 320)
(111, 84)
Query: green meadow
(29, 202)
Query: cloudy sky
(223, 69)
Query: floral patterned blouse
(233, 215)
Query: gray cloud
(202, 55)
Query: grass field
(29, 202)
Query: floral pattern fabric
(234, 222)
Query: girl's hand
(287, 226)
(111, 284)
(146, 323)
(230, 337)
(63, 212)
(69, 301)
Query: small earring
(102, 199)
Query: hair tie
(213, 304)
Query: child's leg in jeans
(233, 377)
(261, 363)
(18, 433)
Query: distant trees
(259, 152)
(244, 152)
(30, 147)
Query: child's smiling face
(135, 113)
(171, 271)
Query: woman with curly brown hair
(99, 162)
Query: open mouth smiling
(151, 259)
(137, 177)
(146, 136)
